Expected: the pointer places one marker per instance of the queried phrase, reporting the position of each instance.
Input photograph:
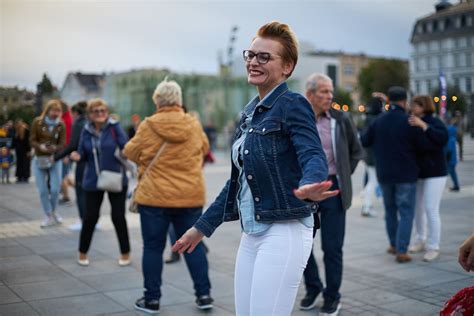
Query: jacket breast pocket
(268, 136)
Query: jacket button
(260, 110)
(246, 152)
(251, 130)
(313, 207)
(257, 217)
(250, 177)
(257, 199)
(263, 130)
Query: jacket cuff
(204, 227)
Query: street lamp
(454, 98)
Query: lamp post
(227, 71)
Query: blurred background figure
(458, 122)
(451, 155)
(98, 143)
(21, 144)
(6, 161)
(48, 136)
(169, 149)
(374, 109)
(79, 116)
(66, 181)
(431, 178)
(134, 127)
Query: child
(5, 163)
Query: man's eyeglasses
(99, 111)
(262, 58)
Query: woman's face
(265, 76)
(54, 113)
(416, 109)
(99, 114)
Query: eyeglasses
(99, 111)
(262, 58)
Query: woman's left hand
(316, 191)
(416, 121)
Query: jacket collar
(335, 114)
(268, 101)
(396, 107)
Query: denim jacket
(282, 152)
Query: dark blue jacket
(450, 148)
(433, 163)
(281, 153)
(396, 146)
(106, 142)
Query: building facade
(79, 87)
(443, 42)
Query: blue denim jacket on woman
(282, 152)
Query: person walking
(100, 139)
(169, 148)
(374, 106)
(343, 152)
(80, 120)
(48, 136)
(276, 149)
(397, 146)
(21, 144)
(451, 156)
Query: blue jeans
(453, 175)
(333, 226)
(155, 222)
(399, 200)
(49, 196)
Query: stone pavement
(39, 274)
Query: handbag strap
(158, 153)
(96, 161)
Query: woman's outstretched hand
(188, 241)
(315, 192)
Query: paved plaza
(39, 274)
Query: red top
(67, 119)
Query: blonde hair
(167, 93)
(283, 34)
(95, 103)
(52, 104)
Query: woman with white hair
(169, 148)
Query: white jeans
(269, 268)
(428, 197)
(372, 184)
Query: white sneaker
(431, 255)
(48, 222)
(58, 219)
(124, 262)
(75, 227)
(418, 246)
(83, 262)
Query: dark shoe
(403, 257)
(391, 250)
(454, 189)
(330, 308)
(150, 307)
(204, 302)
(309, 301)
(173, 258)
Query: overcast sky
(60, 36)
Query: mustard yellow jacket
(176, 179)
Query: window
(348, 70)
(469, 21)
(428, 86)
(456, 82)
(440, 62)
(428, 63)
(462, 42)
(417, 86)
(468, 85)
(348, 87)
(456, 60)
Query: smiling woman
(276, 149)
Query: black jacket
(397, 146)
(433, 163)
(77, 127)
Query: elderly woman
(431, 179)
(48, 136)
(276, 149)
(98, 143)
(169, 148)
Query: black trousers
(93, 202)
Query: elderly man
(343, 152)
(396, 145)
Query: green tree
(381, 74)
(45, 85)
(26, 113)
(458, 103)
(342, 97)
